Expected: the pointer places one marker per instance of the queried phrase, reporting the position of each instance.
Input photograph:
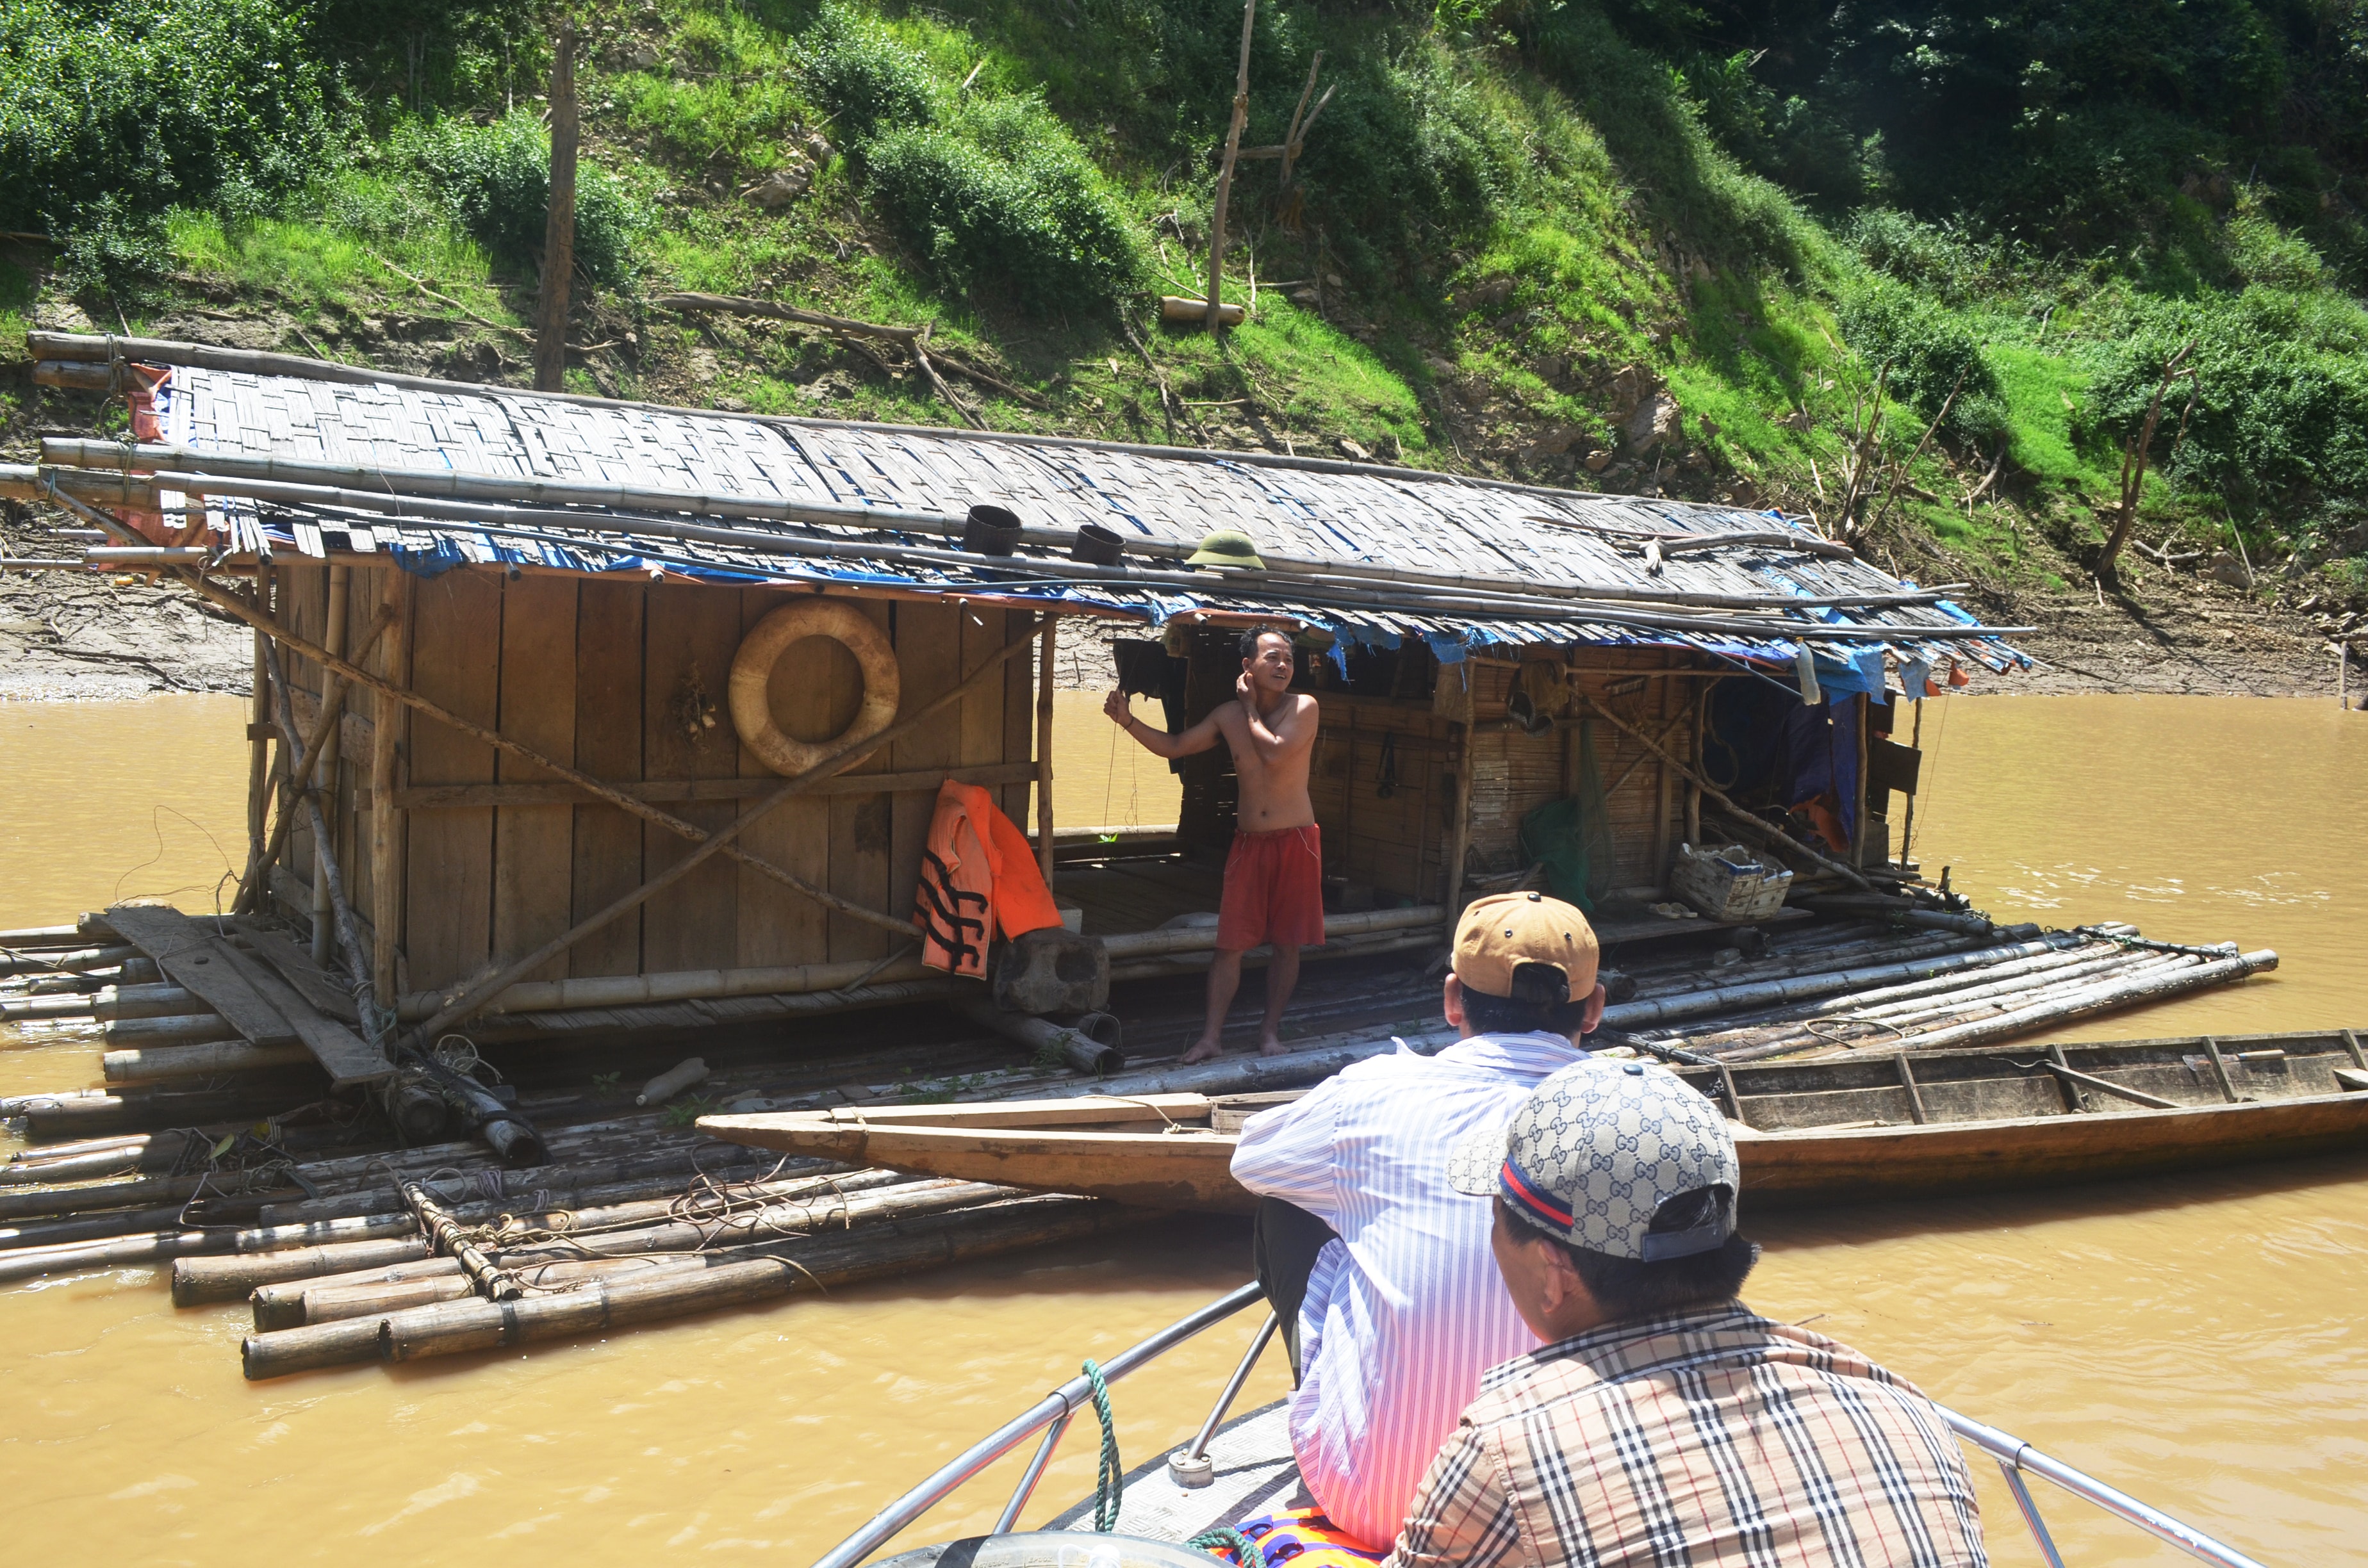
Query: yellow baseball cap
(1499, 934)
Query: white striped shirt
(1405, 1312)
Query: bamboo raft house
(536, 774)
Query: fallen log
(455, 1327)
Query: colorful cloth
(1274, 890)
(1405, 1311)
(1708, 1439)
(1306, 1538)
(978, 875)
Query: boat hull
(1190, 1169)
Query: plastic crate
(1728, 883)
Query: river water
(2194, 1340)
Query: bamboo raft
(218, 1143)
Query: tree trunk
(559, 229)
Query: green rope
(1245, 1550)
(1108, 1488)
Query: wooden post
(1226, 171)
(258, 746)
(1044, 748)
(390, 721)
(559, 228)
(1459, 827)
(2344, 676)
(324, 949)
(1858, 822)
(1915, 742)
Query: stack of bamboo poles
(1973, 996)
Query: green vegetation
(1513, 222)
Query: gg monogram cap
(1596, 1150)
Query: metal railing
(2014, 1457)
(1053, 1410)
(1052, 1414)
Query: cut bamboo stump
(456, 1328)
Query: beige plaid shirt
(1699, 1439)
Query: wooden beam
(559, 225)
(1044, 748)
(388, 750)
(446, 797)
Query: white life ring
(761, 650)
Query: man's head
(1524, 964)
(1615, 1188)
(1267, 655)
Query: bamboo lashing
(450, 1240)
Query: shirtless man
(1274, 876)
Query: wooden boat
(1857, 1127)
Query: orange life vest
(978, 876)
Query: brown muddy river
(2197, 1341)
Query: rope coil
(1224, 1538)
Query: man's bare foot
(1271, 1046)
(1206, 1048)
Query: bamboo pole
(259, 745)
(29, 1263)
(1638, 1014)
(559, 223)
(1458, 838)
(445, 1231)
(322, 759)
(389, 740)
(1225, 172)
(2153, 987)
(1290, 138)
(251, 887)
(1044, 674)
(325, 855)
(188, 1056)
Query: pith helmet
(1226, 547)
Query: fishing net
(1571, 836)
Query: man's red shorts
(1274, 890)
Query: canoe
(1859, 1127)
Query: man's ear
(1559, 1279)
(1451, 1003)
(1593, 1013)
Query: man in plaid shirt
(1663, 1422)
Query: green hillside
(1915, 269)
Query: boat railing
(2016, 1457)
(1052, 1414)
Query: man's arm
(1159, 742)
(1288, 1152)
(1290, 730)
(1462, 1515)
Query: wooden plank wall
(1514, 773)
(629, 680)
(1393, 840)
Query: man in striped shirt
(1663, 1422)
(1380, 1270)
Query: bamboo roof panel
(1320, 512)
